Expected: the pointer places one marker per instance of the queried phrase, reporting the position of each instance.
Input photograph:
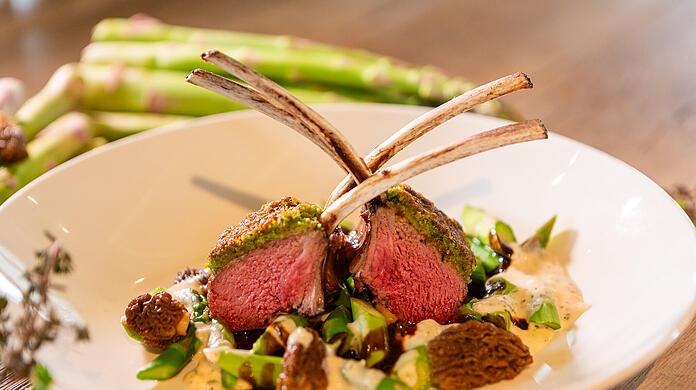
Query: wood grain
(616, 75)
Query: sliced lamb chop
(413, 258)
(272, 261)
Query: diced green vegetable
(130, 332)
(498, 285)
(479, 272)
(501, 319)
(543, 235)
(41, 377)
(546, 314)
(391, 384)
(505, 232)
(200, 307)
(335, 329)
(229, 381)
(156, 290)
(229, 336)
(413, 368)
(347, 225)
(488, 257)
(466, 312)
(172, 359)
(260, 370)
(275, 337)
(478, 223)
(371, 328)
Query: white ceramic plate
(135, 212)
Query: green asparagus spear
(60, 141)
(118, 88)
(413, 368)
(147, 29)
(59, 96)
(116, 125)
(259, 370)
(487, 256)
(275, 337)
(364, 70)
(371, 328)
(229, 381)
(546, 314)
(95, 143)
(172, 359)
(380, 76)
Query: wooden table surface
(615, 75)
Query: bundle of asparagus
(131, 79)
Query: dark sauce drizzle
(245, 339)
(397, 332)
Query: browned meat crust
(156, 318)
(474, 354)
(437, 228)
(302, 368)
(12, 143)
(189, 272)
(275, 220)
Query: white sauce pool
(539, 276)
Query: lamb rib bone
(432, 119)
(321, 127)
(253, 99)
(385, 178)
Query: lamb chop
(273, 260)
(412, 257)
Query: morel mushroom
(12, 143)
(159, 319)
(473, 354)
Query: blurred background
(616, 75)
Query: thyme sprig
(23, 332)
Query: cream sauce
(184, 291)
(426, 330)
(301, 336)
(538, 276)
(349, 374)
